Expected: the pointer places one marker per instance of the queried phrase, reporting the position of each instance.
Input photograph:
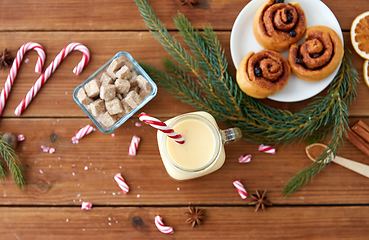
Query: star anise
(195, 215)
(190, 2)
(5, 59)
(259, 200)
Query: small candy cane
(156, 123)
(245, 158)
(241, 189)
(162, 228)
(50, 69)
(15, 66)
(266, 149)
(21, 138)
(86, 206)
(134, 145)
(82, 132)
(121, 183)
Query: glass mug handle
(231, 135)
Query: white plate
(243, 42)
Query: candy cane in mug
(15, 66)
(156, 123)
(241, 189)
(50, 69)
(162, 228)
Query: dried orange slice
(366, 72)
(360, 35)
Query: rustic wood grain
(64, 179)
(55, 97)
(100, 15)
(221, 223)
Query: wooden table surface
(334, 206)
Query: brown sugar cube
(114, 106)
(123, 73)
(107, 120)
(133, 99)
(143, 84)
(133, 79)
(144, 93)
(83, 98)
(116, 64)
(106, 79)
(122, 86)
(111, 74)
(135, 89)
(97, 107)
(92, 88)
(107, 92)
(126, 106)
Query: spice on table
(190, 2)
(195, 215)
(259, 200)
(5, 59)
(358, 135)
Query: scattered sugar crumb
(178, 189)
(51, 150)
(109, 223)
(138, 186)
(41, 171)
(113, 193)
(73, 174)
(112, 135)
(59, 158)
(66, 93)
(78, 195)
(26, 60)
(109, 218)
(138, 195)
(137, 124)
(67, 220)
(74, 165)
(49, 166)
(86, 168)
(83, 229)
(57, 102)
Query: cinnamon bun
(319, 56)
(278, 25)
(262, 74)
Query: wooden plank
(220, 223)
(99, 15)
(55, 97)
(61, 178)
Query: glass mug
(203, 150)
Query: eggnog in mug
(203, 150)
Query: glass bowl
(135, 67)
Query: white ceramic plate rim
(243, 41)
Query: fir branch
(220, 95)
(14, 165)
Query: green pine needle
(13, 163)
(216, 92)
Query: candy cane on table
(266, 149)
(134, 145)
(15, 66)
(82, 132)
(156, 123)
(121, 183)
(241, 189)
(50, 69)
(162, 228)
(245, 158)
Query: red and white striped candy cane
(245, 158)
(134, 145)
(156, 123)
(162, 228)
(241, 189)
(15, 66)
(266, 149)
(82, 132)
(50, 69)
(121, 183)
(86, 206)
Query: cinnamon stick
(361, 129)
(356, 140)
